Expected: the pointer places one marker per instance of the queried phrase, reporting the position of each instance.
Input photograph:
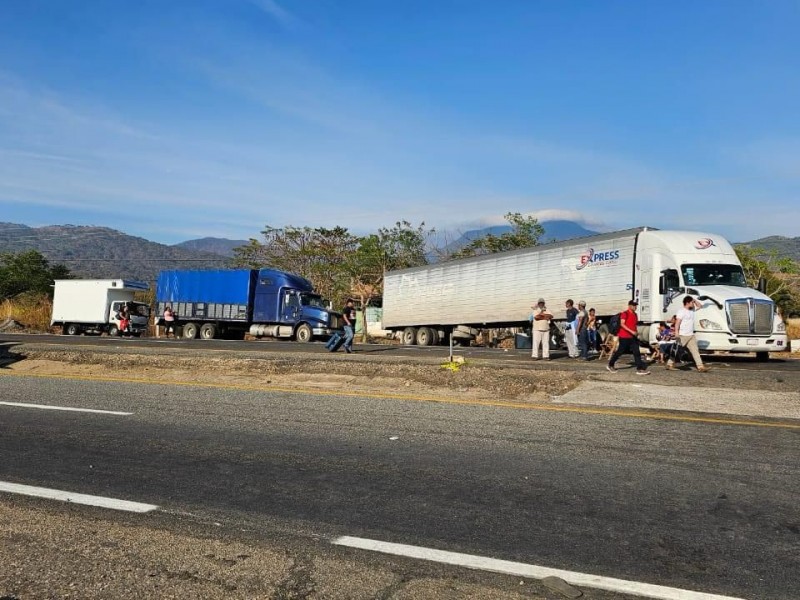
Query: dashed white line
(100, 501)
(67, 408)
(494, 565)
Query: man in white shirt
(684, 326)
(541, 330)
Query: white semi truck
(91, 305)
(656, 268)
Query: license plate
(752, 342)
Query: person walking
(582, 330)
(628, 340)
(349, 315)
(169, 321)
(684, 327)
(569, 331)
(541, 330)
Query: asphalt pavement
(693, 505)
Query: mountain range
(101, 252)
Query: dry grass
(793, 329)
(31, 311)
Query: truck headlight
(706, 324)
(780, 327)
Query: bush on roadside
(793, 329)
(31, 310)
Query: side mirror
(662, 285)
(762, 285)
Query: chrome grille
(762, 321)
(750, 317)
(739, 317)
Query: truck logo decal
(590, 257)
(704, 243)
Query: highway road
(779, 361)
(692, 505)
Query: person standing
(629, 340)
(541, 330)
(582, 330)
(591, 327)
(349, 315)
(569, 332)
(124, 318)
(169, 321)
(684, 326)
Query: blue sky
(177, 119)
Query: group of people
(582, 336)
(580, 333)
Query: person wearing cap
(582, 330)
(540, 320)
(684, 327)
(628, 340)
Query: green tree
(525, 232)
(399, 247)
(781, 274)
(28, 272)
(321, 255)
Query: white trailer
(654, 267)
(90, 306)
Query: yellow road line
(614, 412)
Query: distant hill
(221, 246)
(100, 252)
(554, 231)
(784, 246)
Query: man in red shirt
(629, 340)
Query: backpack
(614, 324)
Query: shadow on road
(8, 356)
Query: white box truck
(656, 268)
(91, 305)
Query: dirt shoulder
(349, 374)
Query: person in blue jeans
(349, 315)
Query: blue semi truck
(232, 303)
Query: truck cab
(140, 315)
(733, 317)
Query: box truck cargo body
(656, 268)
(91, 305)
(230, 303)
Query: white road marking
(494, 565)
(102, 502)
(67, 408)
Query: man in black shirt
(349, 314)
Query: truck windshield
(313, 300)
(713, 275)
(141, 310)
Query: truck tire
(208, 331)
(426, 336)
(409, 336)
(190, 331)
(113, 331)
(303, 333)
(72, 329)
(762, 356)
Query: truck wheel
(303, 333)
(190, 331)
(72, 329)
(409, 336)
(208, 331)
(426, 336)
(762, 356)
(113, 331)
